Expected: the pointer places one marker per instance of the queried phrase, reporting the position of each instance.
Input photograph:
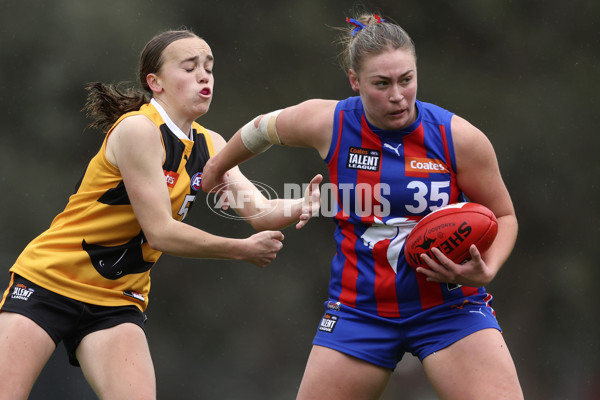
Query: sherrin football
(452, 229)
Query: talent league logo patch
(328, 323)
(364, 159)
(21, 292)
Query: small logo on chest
(364, 159)
(395, 149)
(196, 181)
(426, 165)
(171, 178)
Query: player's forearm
(183, 240)
(233, 154)
(277, 214)
(504, 243)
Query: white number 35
(423, 196)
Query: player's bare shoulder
(218, 140)
(130, 131)
(471, 145)
(315, 112)
(308, 124)
(463, 131)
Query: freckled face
(387, 84)
(186, 77)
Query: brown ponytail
(106, 103)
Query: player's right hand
(262, 247)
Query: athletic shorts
(64, 318)
(383, 341)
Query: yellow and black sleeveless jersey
(95, 251)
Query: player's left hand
(312, 201)
(473, 273)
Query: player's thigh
(25, 348)
(117, 363)
(333, 375)
(478, 366)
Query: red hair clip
(378, 18)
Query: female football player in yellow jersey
(85, 280)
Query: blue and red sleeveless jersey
(382, 183)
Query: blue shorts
(63, 318)
(383, 341)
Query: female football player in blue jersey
(85, 280)
(393, 159)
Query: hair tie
(359, 25)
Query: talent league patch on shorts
(328, 323)
(21, 292)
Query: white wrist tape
(260, 139)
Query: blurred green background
(525, 72)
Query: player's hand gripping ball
(452, 229)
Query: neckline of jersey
(170, 124)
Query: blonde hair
(377, 35)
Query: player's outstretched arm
(262, 213)
(308, 124)
(136, 149)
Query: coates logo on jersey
(171, 178)
(196, 181)
(425, 165)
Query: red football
(452, 229)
